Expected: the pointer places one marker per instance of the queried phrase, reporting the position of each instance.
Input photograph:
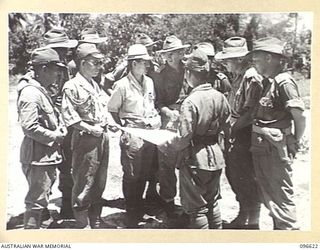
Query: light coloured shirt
(83, 101)
(132, 101)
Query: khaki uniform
(270, 137)
(240, 172)
(204, 113)
(39, 153)
(134, 103)
(84, 101)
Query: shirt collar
(134, 81)
(91, 87)
(202, 87)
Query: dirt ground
(113, 209)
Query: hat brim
(267, 51)
(97, 55)
(147, 58)
(150, 44)
(61, 65)
(226, 55)
(175, 48)
(94, 40)
(66, 44)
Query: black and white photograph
(127, 122)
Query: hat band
(130, 57)
(90, 36)
(57, 40)
(234, 50)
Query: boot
(82, 218)
(95, 216)
(240, 221)
(214, 216)
(199, 220)
(32, 219)
(132, 218)
(254, 216)
(45, 214)
(66, 211)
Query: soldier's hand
(174, 115)
(293, 149)
(96, 130)
(113, 128)
(59, 136)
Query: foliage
(26, 31)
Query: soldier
(58, 40)
(121, 70)
(90, 35)
(244, 97)
(273, 144)
(204, 113)
(168, 82)
(218, 80)
(132, 105)
(84, 109)
(44, 132)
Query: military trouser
(65, 176)
(90, 157)
(136, 158)
(273, 172)
(40, 180)
(167, 175)
(200, 191)
(240, 174)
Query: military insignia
(259, 139)
(266, 102)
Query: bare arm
(299, 120)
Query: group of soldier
(252, 126)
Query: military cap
(86, 49)
(57, 38)
(45, 55)
(197, 61)
(206, 48)
(172, 43)
(90, 35)
(138, 51)
(233, 47)
(269, 44)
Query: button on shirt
(132, 101)
(84, 101)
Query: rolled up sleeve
(292, 98)
(116, 100)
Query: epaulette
(221, 76)
(283, 78)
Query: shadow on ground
(113, 217)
